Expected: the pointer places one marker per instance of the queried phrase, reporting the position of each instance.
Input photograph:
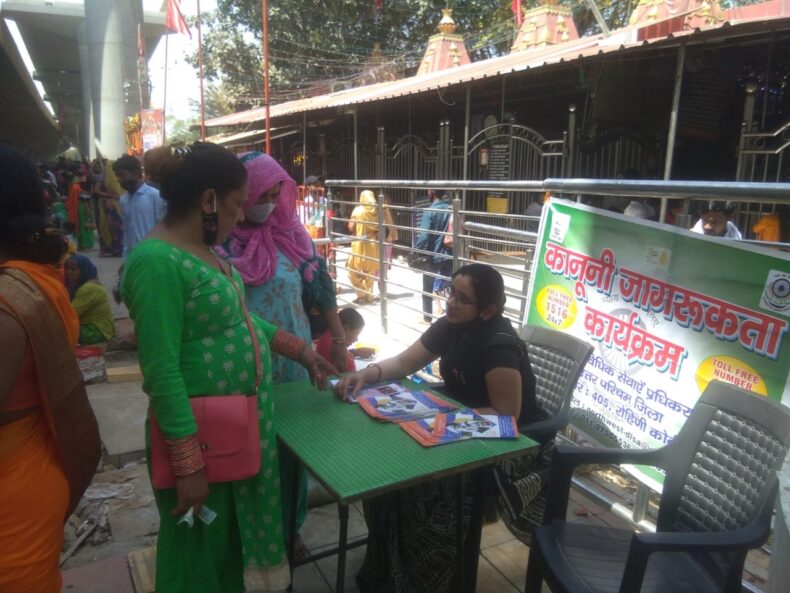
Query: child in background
(353, 323)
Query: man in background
(435, 218)
(141, 206)
(714, 220)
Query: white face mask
(260, 212)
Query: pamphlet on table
(394, 403)
(460, 425)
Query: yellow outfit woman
(363, 265)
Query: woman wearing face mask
(195, 339)
(411, 534)
(282, 271)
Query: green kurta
(193, 340)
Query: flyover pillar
(111, 39)
(87, 132)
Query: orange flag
(175, 21)
(515, 6)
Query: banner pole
(200, 75)
(265, 9)
(164, 95)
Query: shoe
(359, 301)
(427, 318)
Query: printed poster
(667, 311)
(152, 128)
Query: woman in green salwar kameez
(193, 340)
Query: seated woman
(89, 299)
(412, 533)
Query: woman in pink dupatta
(283, 276)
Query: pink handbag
(228, 431)
(229, 436)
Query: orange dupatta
(52, 332)
(48, 280)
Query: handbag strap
(253, 333)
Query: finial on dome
(447, 24)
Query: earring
(210, 225)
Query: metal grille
(761, 158)
(618, 152)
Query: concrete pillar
(111, 32)
(87, 134)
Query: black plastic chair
(520, 484)
(557, 360)
(716, 505)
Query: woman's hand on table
(318, 367)
(350, 384)
(192, 490)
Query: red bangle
(288, 345)
(185, 455)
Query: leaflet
(460, 425)
(399, 405)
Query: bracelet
(185, 455)
(288, 345)
(339, 340)
(381, 372)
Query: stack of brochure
(394, 403)
(460, 426)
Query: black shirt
(467, 354)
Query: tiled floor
(502, 564)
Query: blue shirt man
(141, 206)
(435, 218)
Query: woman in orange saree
(49, 442)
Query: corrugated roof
(577, 49)
(243, 138)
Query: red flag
(175, 21)
(515, 6)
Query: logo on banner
(776, 294)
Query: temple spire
(445, 49)
(547, 24)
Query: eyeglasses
(460, 297)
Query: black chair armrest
(566, 459)
(752, 535)
(543, 430)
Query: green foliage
(319, 46)
(178, 130)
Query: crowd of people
(219, 276)
(229, 298)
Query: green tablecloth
(355, 457)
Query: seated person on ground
(714, 220)
(89, 299)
